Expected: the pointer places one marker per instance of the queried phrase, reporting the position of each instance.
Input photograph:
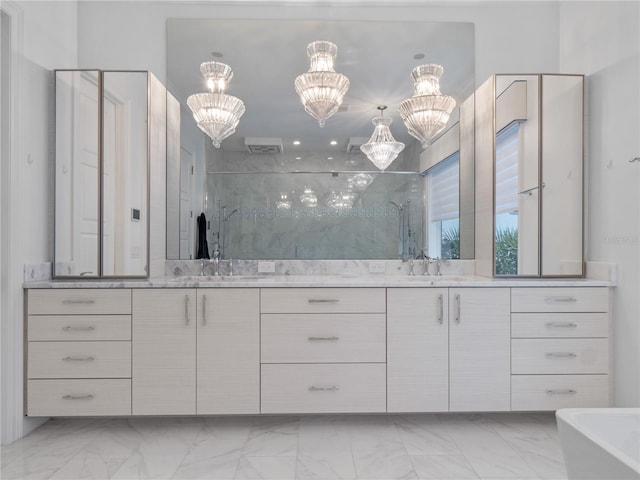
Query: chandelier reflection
(321, 89)
(427, 112)
(216, 113)
(382, 148)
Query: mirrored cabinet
(108, 124)
(529, 163)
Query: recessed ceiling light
(296, 142)
(298, 158)
(217, 54)
(329, 158)
(334, 142)
(419, 56)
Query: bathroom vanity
(308, 344)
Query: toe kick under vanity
(275, 347)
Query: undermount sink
(217, 278)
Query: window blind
(443, 189)
(507, 147)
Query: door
(187, 218)
(417, 350)
(479, 349)
(164, 351)
(228, 373)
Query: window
(443, 208)
(506, 226)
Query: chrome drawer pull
(441, 310)
(80, 329)
(85, 358)
(318, 339)
(560, 355)
(204, 310)
(560, 299)
(458, 308)
(561, 392)
(78, 301)
(78, 397)
(561, 325)
(332, 388)
(186, 309)
(323, 300)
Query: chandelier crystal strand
(321, 89)
(382, 148)
(216, 113)
(427, 112)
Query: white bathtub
(600, 443)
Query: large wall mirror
(320, 198)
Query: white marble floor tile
(216, 451)
(488, 453)
(378, 452)
(324, 449)
(267, 468)
(443, 467)
(273, 437)
(425, 435)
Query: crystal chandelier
(308, 198)
(216, 113)
(427, 112)
(382, 148)
(284, 202)
(321, 89)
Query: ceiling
(267, 55)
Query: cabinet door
(417, 350)
(479, 343)
(228, 371)
(164, 351)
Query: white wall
(47, 39)
(601, 39)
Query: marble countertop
(272, 281)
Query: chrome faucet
(411, 274)
(230, 272)
(426, 261)
(202, 265)
(216, 262)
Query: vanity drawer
(329, 388)
(551, 392)
(323, 300)
(560, 299)
(73, 301)
(558, 356)
(59, 398)
(78, 327)
(79, 360)
(559, 325)
(317, 338)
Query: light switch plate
(377, 267)
(266, 267)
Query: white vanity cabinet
(479, 349)
(559, 347)
(164, 351)
(323, 350)
(195, 351)
(228, 351)
(417, 349)
(78, 352)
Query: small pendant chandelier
(427, 112)
(382, 148)
(321, 89)
(216, 113)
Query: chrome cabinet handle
(69, 328)
(319, 339)
(77, 397)
(81, 358)
(323, 300)
(186, 309)
(560, 299)
(204, 310)
(560, 355)
(458, 310)
(561, 392)
(441, 313)
(78, 301)
(561, 325)
(332, 388)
